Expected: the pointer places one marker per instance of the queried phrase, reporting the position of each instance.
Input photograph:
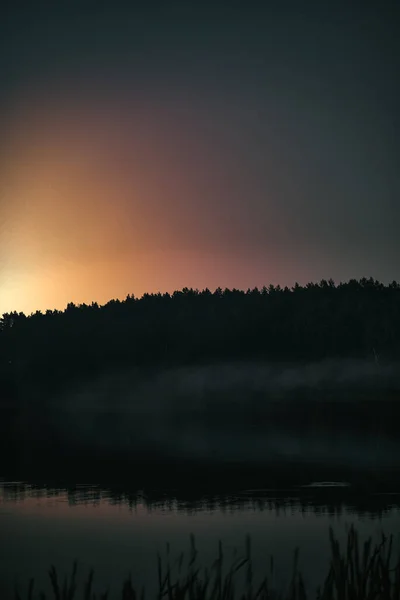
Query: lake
(111, 471)
(117, 532)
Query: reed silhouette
(357, 572)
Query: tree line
(358, 318)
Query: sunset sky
(149, 146)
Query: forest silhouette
(356, 319)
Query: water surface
(117, 532)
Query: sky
(149, 146)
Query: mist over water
(335, 412)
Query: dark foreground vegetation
(357, 572)
(321, 320)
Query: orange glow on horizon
(93, 214)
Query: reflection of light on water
(325, 484)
